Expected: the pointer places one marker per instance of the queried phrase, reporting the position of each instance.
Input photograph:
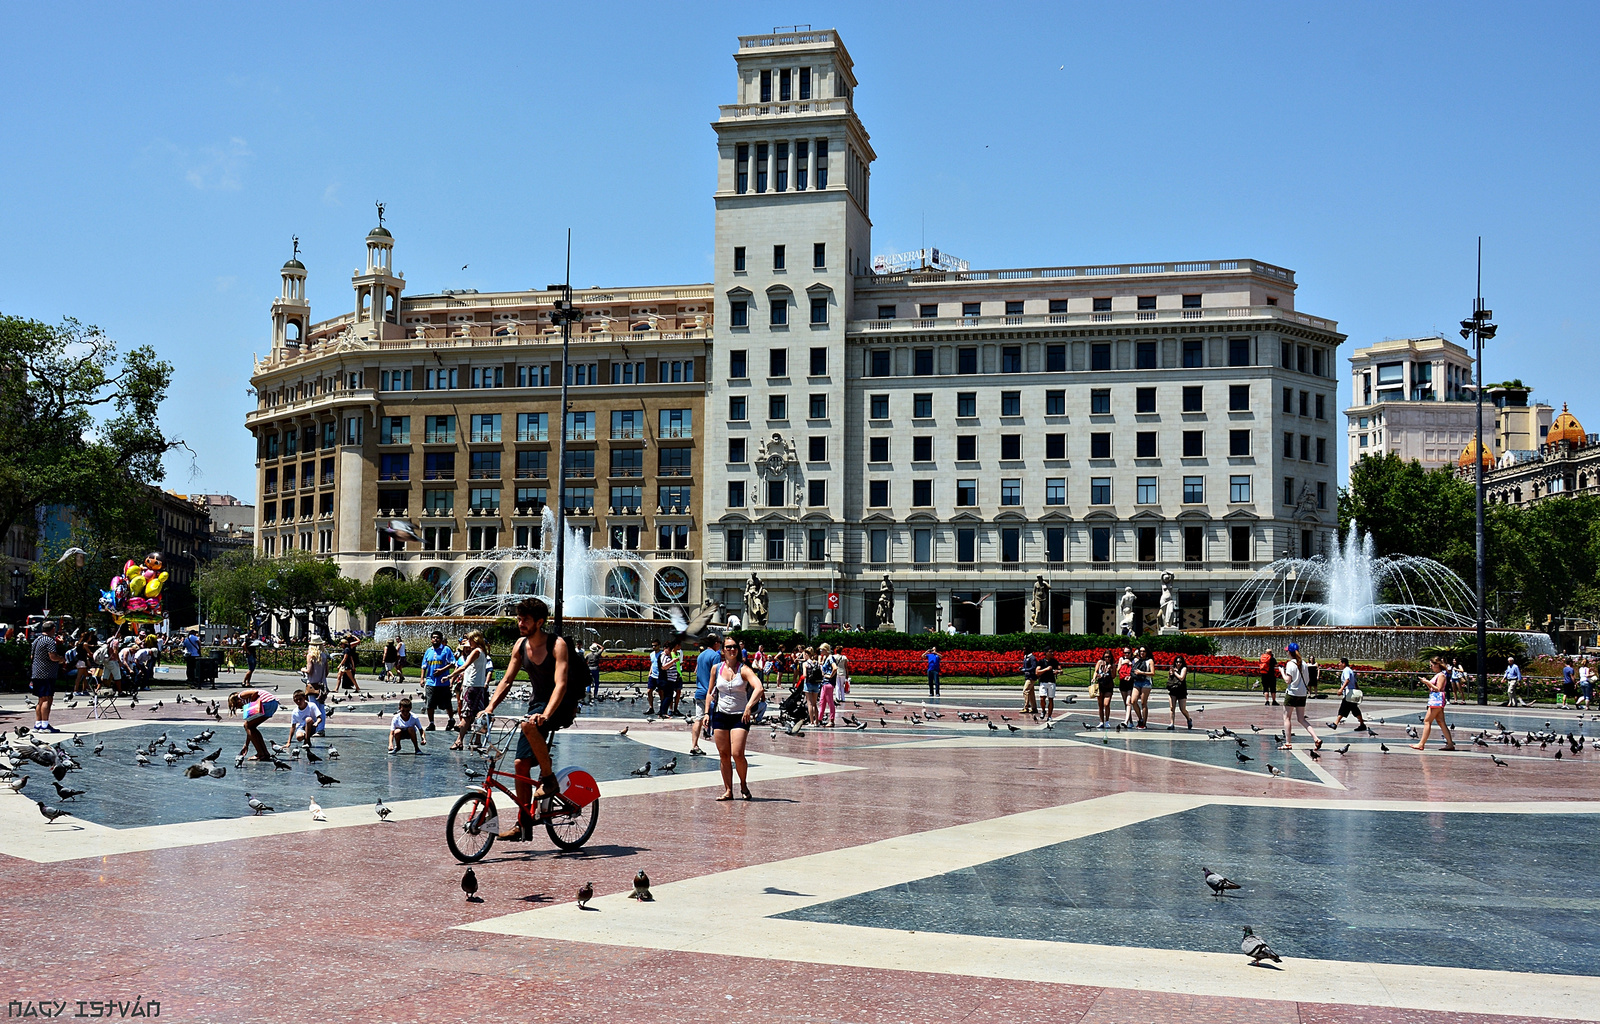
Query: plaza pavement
(905, 872)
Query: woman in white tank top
(735, 691)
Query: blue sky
(160, 157)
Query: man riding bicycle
(552, 705)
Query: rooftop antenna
(379, 205)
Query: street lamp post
(565, 315)
(1479, 330)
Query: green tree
(229, 587)
(1411, 511)
(78, 425)
(241, 589)
(1545, 559)
(388, 595)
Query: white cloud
(211, 168)
(330, 195)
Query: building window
(1144, 400)
(878, 546)
(1305, 403)
(878, 449)
(819, 255)
(390, 467)
(1239, 543)
(1239, 490)
(439, 430)
(736, 452)
(819, 309)
(816, 492)
(1147, 543)
(484, 466)
(777, 494)
(1194, 444)
(1011, 358)
(817, 448)
(485, 428)
(394, 430)
(532, 465)
(1288, 445)
(922, 493)
(966, 360)
(921, 449)
(1100, 544)
(1144, 444)
(966, 545)
(1194, 490)
(1322, 494)
(777, 257)
(1055, 446)
(878, 494)
(736, 407)
(1011, 492)
(735, 545)
(800, 145)
(971, 308)
(1305, 448)
(819, 362)
(966, 404)
(489, 497)
(1011, 403)
(533, 376)
(738, 255)
(488, 376)
(780, 154)
(1055, 403)
(928, 310)
(1288, 490)
(1055, 544)
(437, 500)
(1099, 401)
(777, 407)
(1288, 401)
(1238, 398)
(1146, 491)
(922, 405)
(1055, 490)
(922, 546)
(761, 161)
(441, 379)
(1193, 353)
(1011, 544)
(1238, 351)
(1055, 358)
(1100, 356)
(822, 163)
(352, 429)
(922, 362)
(1145, 355)
(880, 363)
(394, 380)
(1100, 446)
(738, 313)
(818, 407)
(1100, 490)
(817, 545)
(966, 447)
(878, 407)
(1322, 412)
(778, 310)
(775, 546)
(742, 170)
(1238, 443)
(580, 426)
(739, 364)
(1193, 398)
(966, 493)
(1013, 307)
(1194, 543)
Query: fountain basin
(1358, 643)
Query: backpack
(813, 674)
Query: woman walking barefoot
(1438, 687)
(735, 692)
(1295, 692)
(1178, 692)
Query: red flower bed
(625, 663)
(989, 663)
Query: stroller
(793, 708)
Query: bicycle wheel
(571, 830)
(470, 828)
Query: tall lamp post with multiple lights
(1479, 330)
(565, 316)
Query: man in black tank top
(552, 706)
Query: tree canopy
(78, 425)
(241, 589)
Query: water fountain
(605, 593)
(1354, 603)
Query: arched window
(672, 586)
(434, 577)
(481, 590)
(291, 331)
(525, 580)
(622, 588)
(389, 308)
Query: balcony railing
(580, 472)
(437, 474)
(678, 431)
(627, 433)
(399, 474)
(627, 471)
(483, 474)
(532, 474)
(968, 323)
(674, 471)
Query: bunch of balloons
(135, 596)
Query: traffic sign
(833, 600)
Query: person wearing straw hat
(591, 657)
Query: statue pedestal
(1039, 627)
(1170, 631)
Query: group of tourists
(1133, 672)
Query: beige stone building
(1412, 397)
(441, 411)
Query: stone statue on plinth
(1169, 605)
(1125, 613)
(755, 603)
(886, 603)
(1039, 610)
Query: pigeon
(98, 747)
(1242, 756)
(77, 739)
(1343, 750)
(1275, 770)
(1383, 747)
(1256, 948)
(469, 885)
(239, 761)
(51, 813)
(216, 771)
(624, 731)
(669, 766)
(280, 765)
(195, 771)
(256, 806)
(585, 894)
(325, 780)
(333, 753)
(641, 886)
(1012, 727)
(311, 755)
(59, 771)
(1315, 756)
(1217, 882)
(1497, 761)
(171, 759)
(16, 784)
(382, 809)
(991, 725)
(641, 771)
(139, 757)
(213, 755)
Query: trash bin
(205, 671)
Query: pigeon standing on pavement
(52, 813)
(641, 771)
(641, 886)
(382, 809)
(256, 806)
(316, 812)
(1256, 948)
(585, 894)
(326, 780)
(469, 885)
(1217, 882)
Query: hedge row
(888, 640)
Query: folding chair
(105, 704)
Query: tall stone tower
(291, 310)
(378, 287)
(793, 231)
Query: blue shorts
(43, 688)
(524, 748)
(813, 689)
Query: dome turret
(1566, 428)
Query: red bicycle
(569, 816)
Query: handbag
(1355, 696)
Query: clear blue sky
(161, 156)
